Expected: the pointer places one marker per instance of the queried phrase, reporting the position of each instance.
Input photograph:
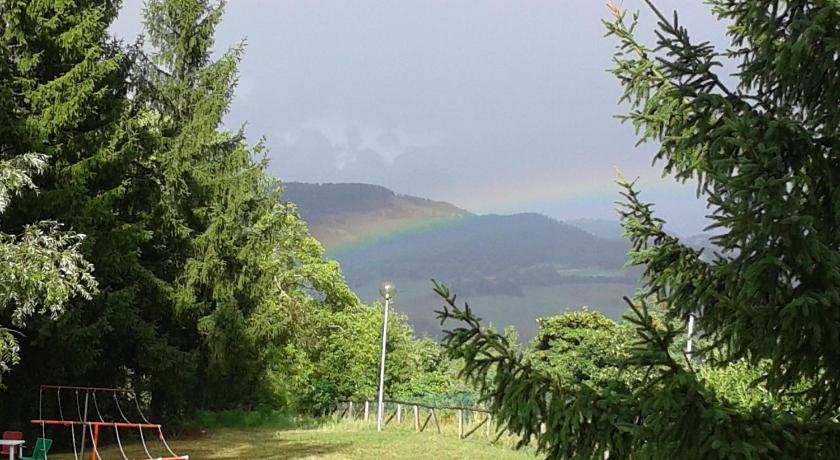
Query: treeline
(165, 261)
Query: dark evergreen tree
(41, 268)
(764, 155)
(67, 92)
(240, 259)
(210, 293)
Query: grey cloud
(440, 97)
(306, 157)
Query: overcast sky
(496, 106)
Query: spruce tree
(42, 268)
(68, 99)
(203, 276)
(240, 259)
(763, 152)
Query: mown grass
(284, 437)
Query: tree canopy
(209, 293)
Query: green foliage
(581, 347)
(41, 265)
(209, 293)
(345, 364)
(264, 418)
(68, 86)
(42, 268)
(243, 267)
(204, 277)
(669, 413)
(432, 377)
(763, 157)
(45, 270)
(742, 384)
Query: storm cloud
(446, 99)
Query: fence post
(350, 411)
(367, 410)
(542, 428)
(460, 423)
(399, 413)
(416, 418)
(489, 423)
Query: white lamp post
(689, 345)
(387, 292)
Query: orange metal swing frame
(96, 425)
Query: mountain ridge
(341, 213)
(521, 265)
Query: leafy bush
(582, 347)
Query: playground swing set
(85, 428)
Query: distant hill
(602, 228)
(612, 230)
(699, 241)
(339, 214)
(519, 248)
(513, 268)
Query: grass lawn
(345, 440)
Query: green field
(345, 440)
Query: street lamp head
(387, 291)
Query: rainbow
(374, 238)
(511, 197)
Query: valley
(511, 268)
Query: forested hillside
(528, 248)
(602, 228)
(341, 215)
(520, 266)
